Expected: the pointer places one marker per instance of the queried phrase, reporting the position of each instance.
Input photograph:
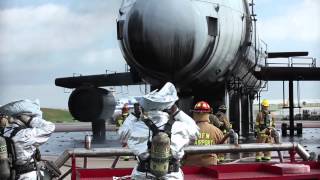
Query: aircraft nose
(161, 34)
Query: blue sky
(291, 25)
(41, 40)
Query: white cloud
(43, 70)
(49, 95)
(110, 57)
(40, 43)
(95, 61)
(300, 22)
(51, 28)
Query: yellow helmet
(265, 102)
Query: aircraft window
(212, 26)
(120, 29)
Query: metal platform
(289, 73)
(295, 69)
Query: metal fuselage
(195, 44)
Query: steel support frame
(99, 131)
(291, 108)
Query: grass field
(57, 115)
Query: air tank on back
(189, 43)
(4, 160)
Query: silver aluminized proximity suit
(29, 136)
(135, 133)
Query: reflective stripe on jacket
(209, 135)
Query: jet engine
(89, 104)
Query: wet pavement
(61, 141)
(310, 139)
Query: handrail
(295, 61)
(221, 148)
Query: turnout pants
(264, 138)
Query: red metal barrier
(292, 154)
(74, 168)
(228, 171)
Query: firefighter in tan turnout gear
(209, 135)
(122, 117)
(220, 120)
(264, 124)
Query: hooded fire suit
(135, 133)
(264, 121)
(209, 135)
(27, 138)
(26, 141)
(120, 120)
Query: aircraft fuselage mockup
(209, 49)
(193, 43)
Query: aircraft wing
(288, 73)
(116, 79)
